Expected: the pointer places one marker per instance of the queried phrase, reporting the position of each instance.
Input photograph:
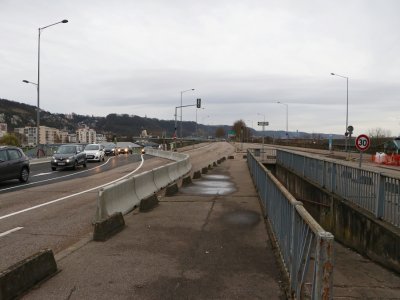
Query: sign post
(263, 124)
(362, 144)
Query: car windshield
(66, 149)
(109, 147)
(92, 147)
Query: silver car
(94, 152)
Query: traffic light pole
(176, 120)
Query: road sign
(263, 123)
(363, 142)
(231, 133)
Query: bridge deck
(209, 241)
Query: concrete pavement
(209, 241)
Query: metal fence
(373, 191)
(306, 249)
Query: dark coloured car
(14, 164)
(110, 149)
(68, 156)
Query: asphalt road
(55, 208)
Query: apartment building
(85, 135)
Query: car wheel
(84, 163)
(75, 165)
(103, 159)
(53, 168)
(24, 176)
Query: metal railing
(306, 249)
(373, 191)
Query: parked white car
(94, 152)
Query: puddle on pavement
(210, 185)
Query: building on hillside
(30, 134)
(3, 129)
(85, 135)
(47, 135)
(100, 138)
(72, 138)
(64, 136)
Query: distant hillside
(125, 126)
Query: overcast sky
(241, 57)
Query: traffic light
(198, 104)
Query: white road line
(10, 231)
(41, 174)
(70, 196)
(55, 178)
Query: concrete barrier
(204, 170)
(106, 228)
(161, 177)
(186, 181)
(27, 273)
(126, 194)
(116, 197)
(171, 190)
(148, 203)
(197, 175)
(173, 171)
(144, 185)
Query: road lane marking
(70, 196)
(55, 178)
(41, 174)
(10, 231)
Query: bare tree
(239, 127)
(220, 132)
(378, 135)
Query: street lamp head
(64, 21)
(332, 73)
(26, 81)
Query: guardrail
(126, 194)
(306, 249)
(373, 191)
(266, 155)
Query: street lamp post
(287, 117)
(181, 107)
(37, 89)
(347, 108)
(38, 78)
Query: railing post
(380, 197)
(333, 179)
(323, 287)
